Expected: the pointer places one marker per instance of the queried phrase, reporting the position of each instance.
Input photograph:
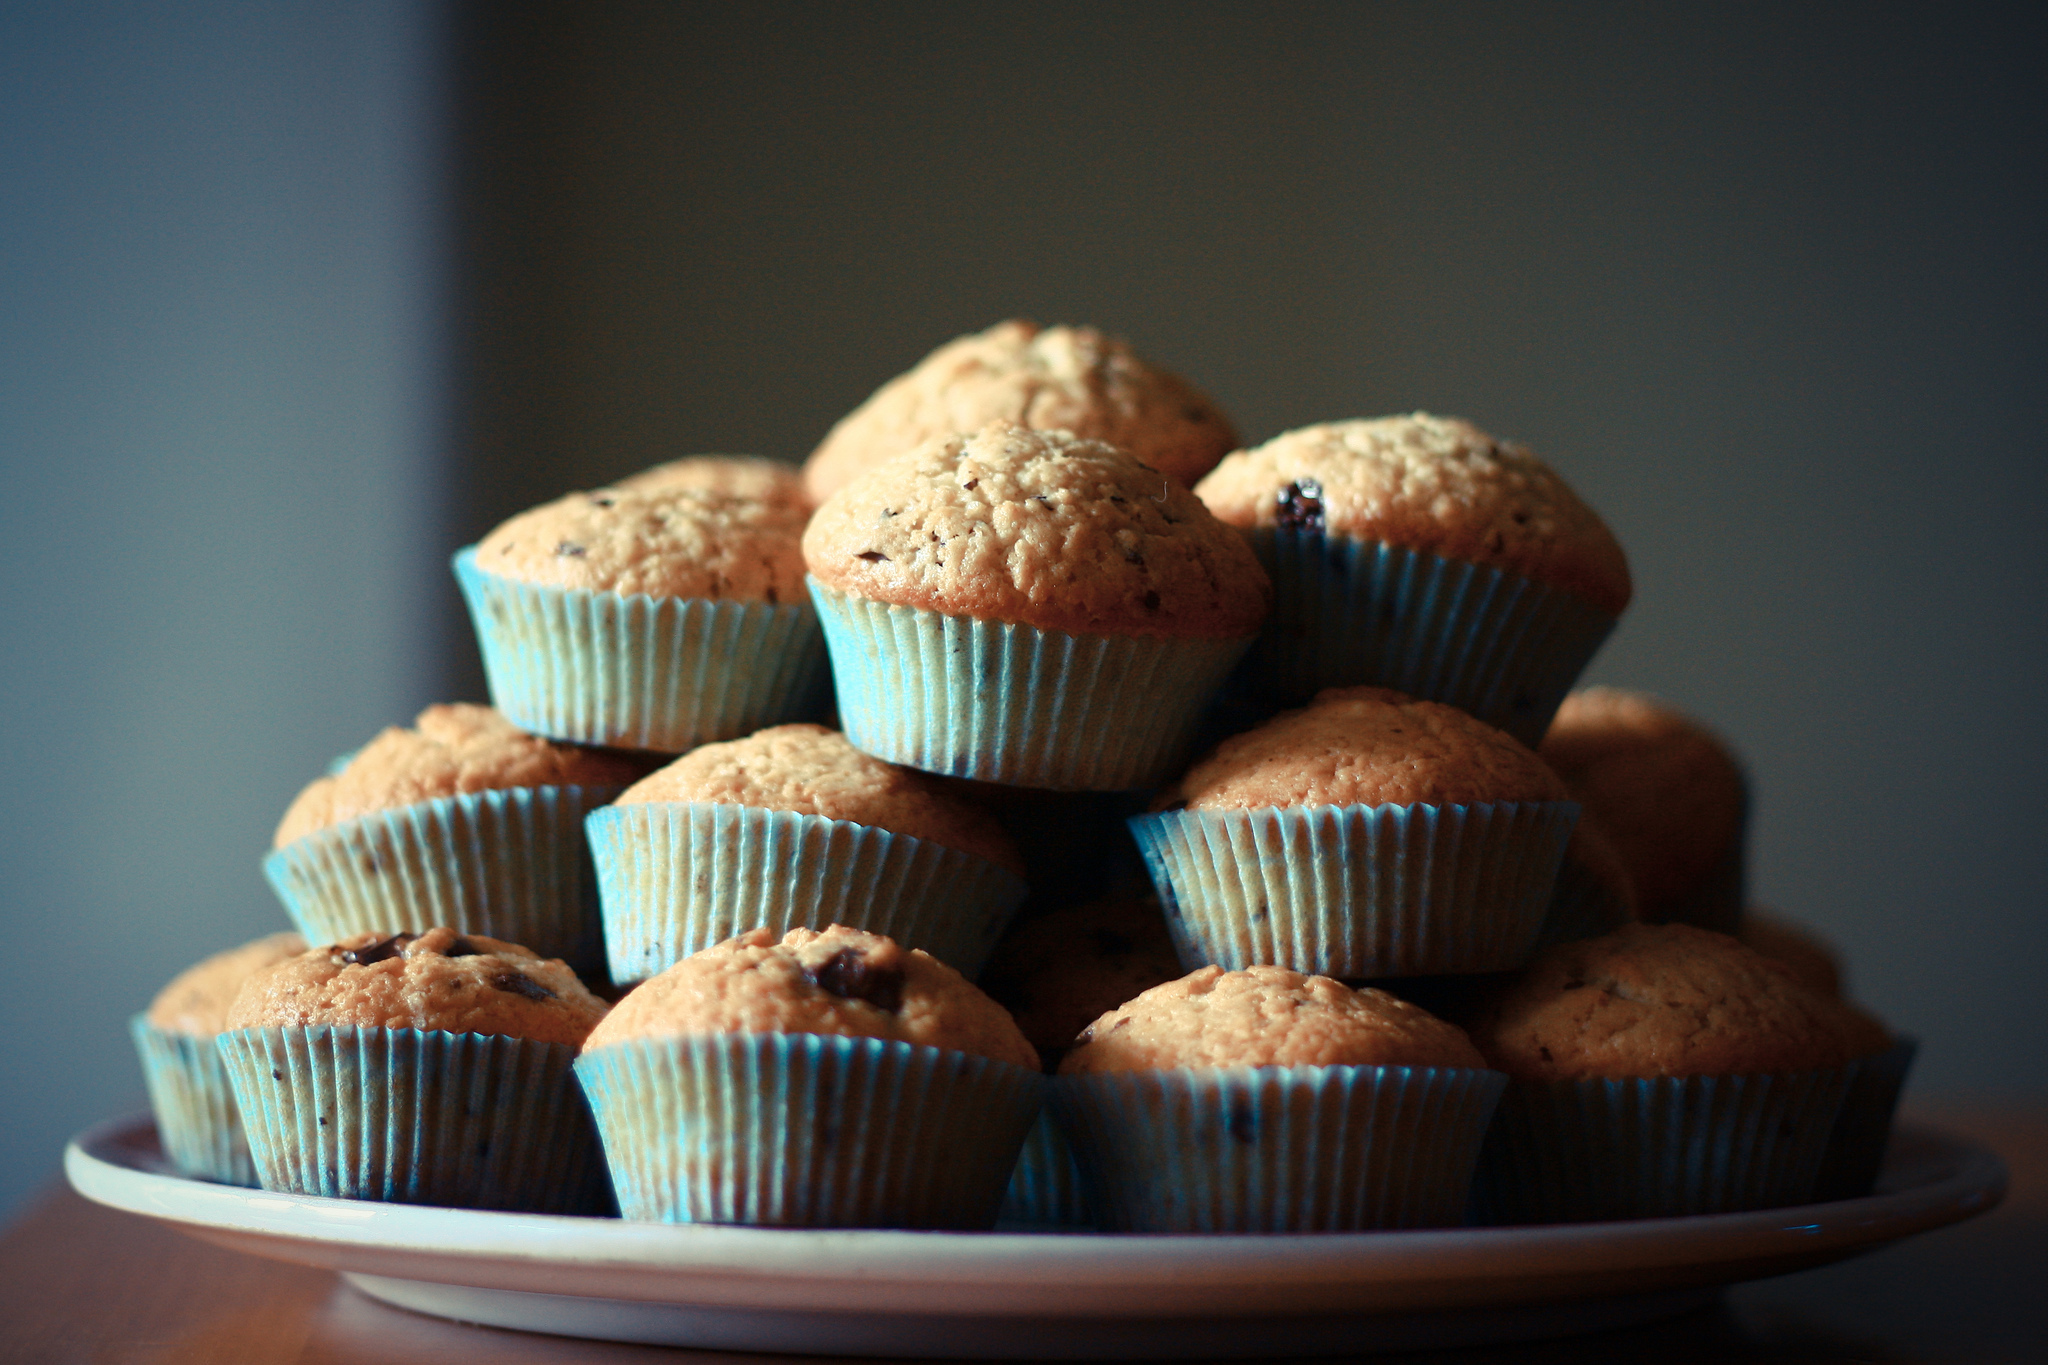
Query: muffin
(1813, 963)
(1595, 892)
(830, 1079)
(465, 820)
(1029, 608)
(1051, 378)
(196, 1118)
(793, 827)
(1365, 835)
(1658, 1071)
(429, 1068)
(1419, 553)
(748, 477)
(661, 617)
(1264, 1100)
(1669, 795)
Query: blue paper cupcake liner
(194, 1103)
(1045, 1193)
(1347, 611)
(677, 877)
(1006, 703)
(639, 672)
(1863, 1129)
(464, 1120)
(805, 1130)
(1278, 1149)
(1656, 1147)
(508, 864)
(1357, 891)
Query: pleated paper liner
(196, 1118)
(1006, 703)
(1045, 1192)
(1277, 1149)
(1347, 611)
(464, 1120)
(1656, 1147)
(1357, 891)
(677, 877)
(806, 1130)
(639, 672)
(509, 864)
(1862, 1131)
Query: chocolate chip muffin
(747, 477)
(1667, 792)
(1060, 970)
(1067, 378)
(1028, 608)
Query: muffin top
(196, 1000)
(454, 748)
(437, 981)
(842, 982)
(1812, 962)
(1366, 746)
(1039, 528)
(814, 771)
(1433, 484)
(1658, 1000)
(1058, 971)
(664, 542)
(1668, 793)
(1266, 1016)
(732, 476)
(1070, 378)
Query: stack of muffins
(1302, 892)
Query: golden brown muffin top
(438, 981)
(1058, 971)
(1266, 1016)
(1813, 963)
(1432, 484)
(453, 748)
(671, 542)
(1039, 528)
(1067, 378)
(1666, 790)
(1366, 746)
(1658, 1000)
(196, 1000)
(748, 477)
(841, 982)
(811, 770)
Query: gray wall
(219, 394)
(1766, 285)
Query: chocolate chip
(462, 947)
(519, 983)
(1546, 1054)
(596, 501)
(849, 975)
(873, 555)
(1301, 507)
(1151, 600)
(971, 484)
(568, 547)
(382, 951)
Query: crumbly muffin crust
(452, 749)
(1658, 1000)
(438, 981)
(841, 982)
(1057, 972)
(1039, 528)
(1070, 378)
(1266, 1016)
(196, 1000)
(815, 771)
(1366, 746)
(672, 542)
(749, 477)
(1666, 789)
(1434, 484)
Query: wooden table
(87, 1284)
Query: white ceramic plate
(1015, 1295)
